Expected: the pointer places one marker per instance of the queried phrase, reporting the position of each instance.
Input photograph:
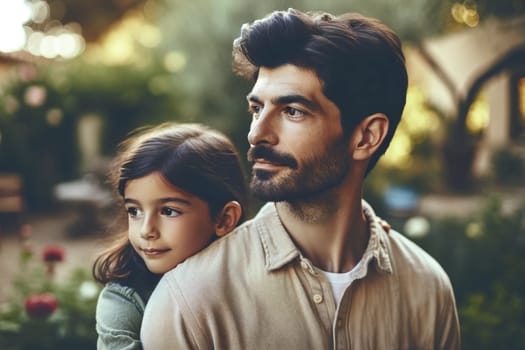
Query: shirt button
(304, 265)
(318, 298)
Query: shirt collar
(377, 244)
(279, 248)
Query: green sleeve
(119, 316)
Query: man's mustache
(270, 155)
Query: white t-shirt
(341, 281)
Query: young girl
(182, 186)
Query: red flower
(53, 253)
(41, 305)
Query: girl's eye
(169, 212)
(294, 113)
(133, 212)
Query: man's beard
(291, 184)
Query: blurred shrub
(43, 313)
(484, 256)
(508, 167)
(38, 139)
(39, 114)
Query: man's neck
(330, 230)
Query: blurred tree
(94, 16)
(415, 18)
(498, 8)
(39, 118)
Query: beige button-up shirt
(253, 289)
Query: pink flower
(41, 306)
(26, 231)
(53, 253)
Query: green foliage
(71, 326)
(31, 140)
(124, 96)
(493, 320)
(508, 167)
(484, 256)
(39, 117)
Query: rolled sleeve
(118, 315)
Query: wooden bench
(11, 200)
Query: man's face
(296, 138)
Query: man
(314, 269)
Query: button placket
(316, 293)
(318, 298)
(341, 340)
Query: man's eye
(294, 112)
(133, 211)
(254, 109)
(169, 212)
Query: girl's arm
(119, 315)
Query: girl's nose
(148, 229)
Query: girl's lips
(154, 252)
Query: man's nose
(263, 129)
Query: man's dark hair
(358, 59)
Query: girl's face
(166, 224)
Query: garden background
(84, 73)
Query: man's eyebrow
(286, 99)
(253, 98)
(297, 99)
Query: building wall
(463, 56)
(497, 133)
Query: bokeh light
(57, 41)
(521, 92)
(13, 15)
(418, 122)
(40, 11)
(465, 14)
(54, 116)
(119, 46)
(174, 61)
(417, 227)
(478, 115)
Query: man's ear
(228, 218)
(369, 135)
